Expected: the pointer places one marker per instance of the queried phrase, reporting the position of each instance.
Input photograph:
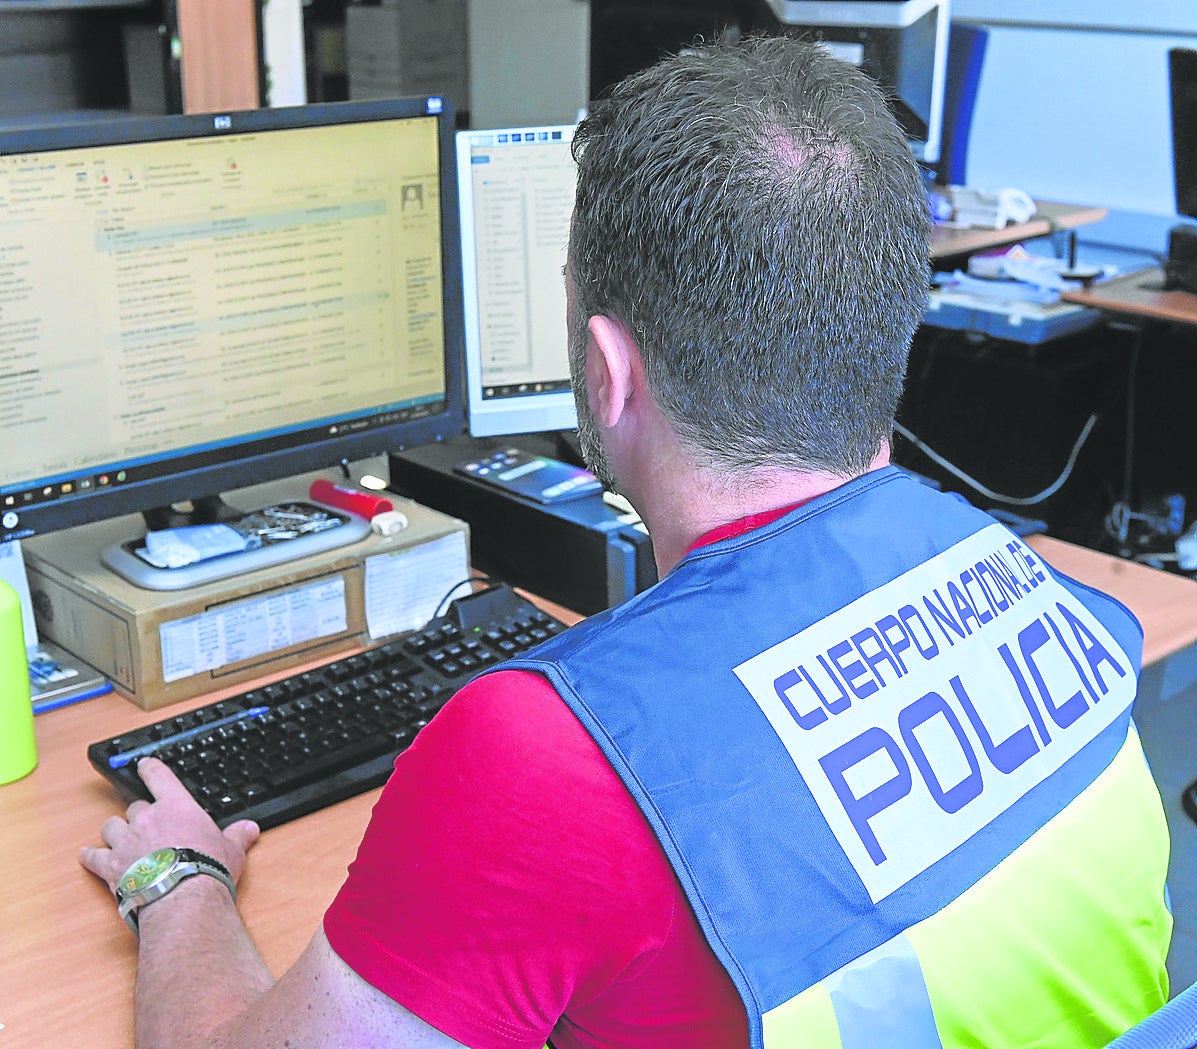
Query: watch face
(148, 870)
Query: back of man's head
(752, 214)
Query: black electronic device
(199, 303)
(630, 35)
(582, 553)
(1009, 414)
(305, 742)
(535, 477)
(902, 44)
(1180, 267)
(1182, 75)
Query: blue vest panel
(838, 723)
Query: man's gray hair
(751, 212)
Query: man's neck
(680, 505)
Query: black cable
(481, 577)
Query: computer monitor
(516, 188)
(195, 304)
(902, 44)
(1180, 264)
(1182, 68)
(629, 35)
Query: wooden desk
(1138, 295)
(67, 966)
(67, 962)
(1050, 217)
(1165, 604)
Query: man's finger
(111, 829)
(92, 859)
(160, 779)
(134, 808)
(242, 834)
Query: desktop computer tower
(583, 554)
(1165, 459)
(1009, 414)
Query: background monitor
(1182, 67)
(516, 187)
(902, 44)
(194, 304)
(630, 35)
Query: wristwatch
(156, 873)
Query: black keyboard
(288, 748)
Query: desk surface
(66, 971)
(1050, 216)
(1138, 294)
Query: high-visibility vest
(889, 754)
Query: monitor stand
(1180, 268)
(267, 536)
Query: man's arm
(201, 981)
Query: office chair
(1174, 1026)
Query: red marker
(354, 500)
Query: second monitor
(1180, 267)
(516, 188)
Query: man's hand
(173, 818)
(200, 981)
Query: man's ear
(612, 369)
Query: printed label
(251, 628)
(923, 710)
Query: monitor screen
(517, 195)
(629, 35)
(194, 304)
(902, 44)
(1182, 65)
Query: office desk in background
(67, 961)
(950, 243)
(1138, 296)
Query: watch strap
(188, 862)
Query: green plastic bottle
(18, 747)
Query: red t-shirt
(508, 888)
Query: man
(859, 771)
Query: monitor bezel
(842, 21)
(1182, 76)
(240, 469)
(522, 413)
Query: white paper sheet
(405, 587)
